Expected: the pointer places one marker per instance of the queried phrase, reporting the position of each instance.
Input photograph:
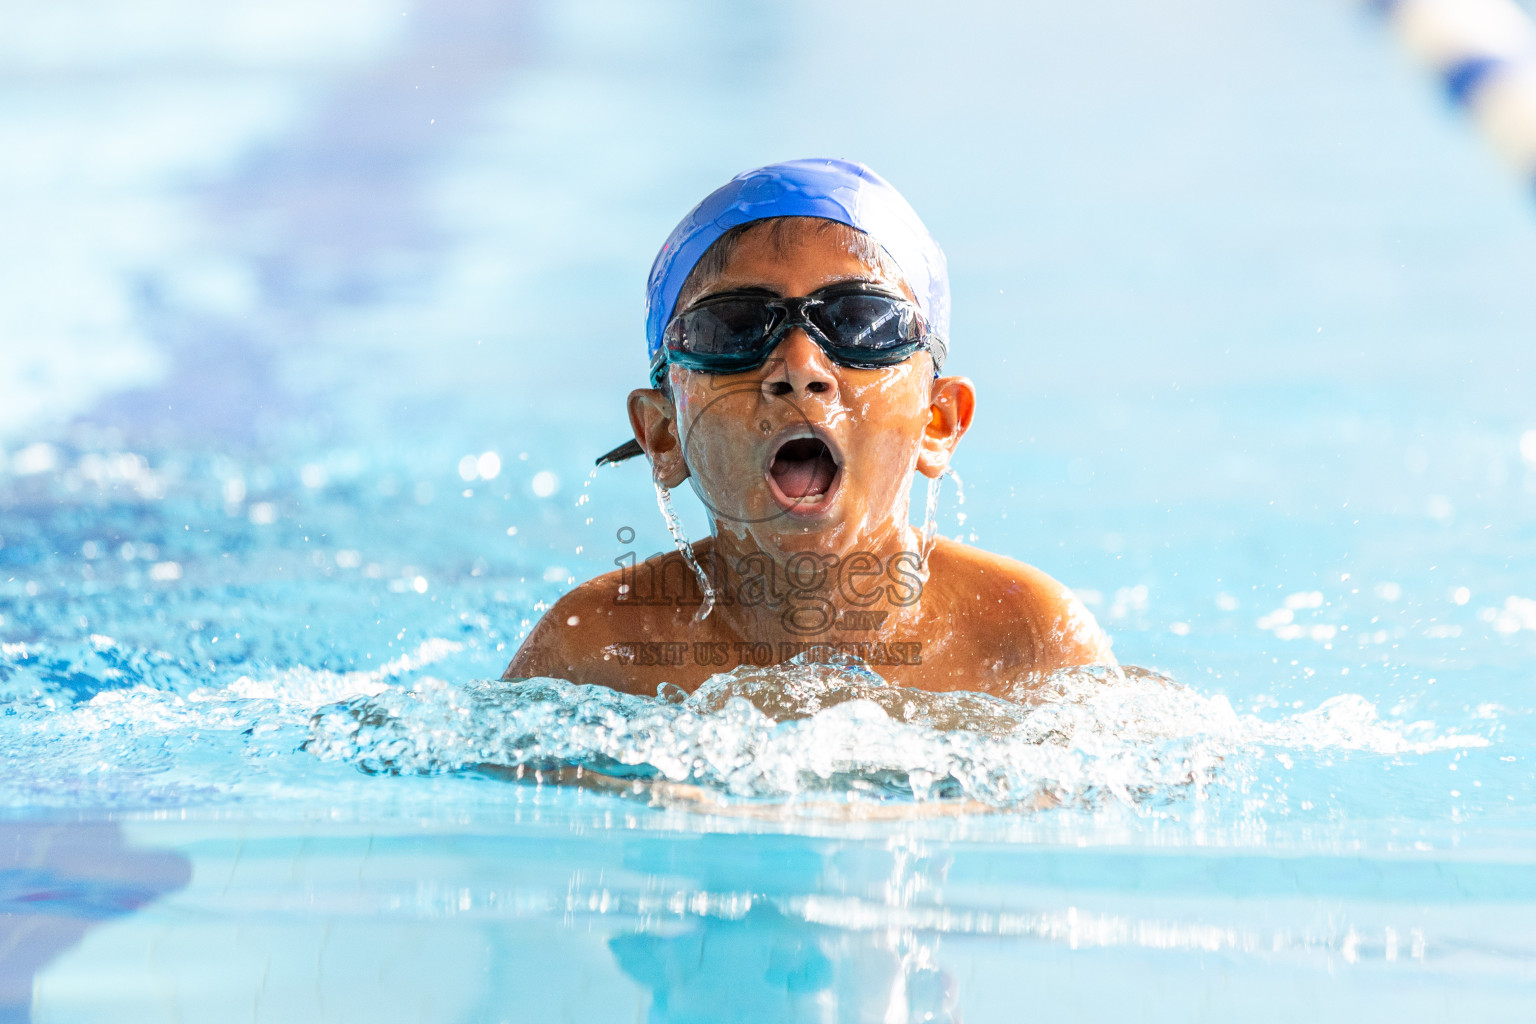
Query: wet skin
(806, 467)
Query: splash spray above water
(833, 730)
(788, 740)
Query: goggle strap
(628, 450)
(939, 350)
(659, 366)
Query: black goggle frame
(812, 313)
(807, 312)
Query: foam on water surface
(1081, 738)
(794, 736)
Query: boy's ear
(949, 417)
(653, 418)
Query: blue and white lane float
(1485, 53)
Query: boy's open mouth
(802, 474)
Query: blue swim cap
(839, 190)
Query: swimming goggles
(733, 332)
(736, 331)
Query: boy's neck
(851, 592)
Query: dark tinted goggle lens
(729, 329)
(874, 328)
(732, 334)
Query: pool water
(315, 319)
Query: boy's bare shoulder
(583, 635)
(1018, 608)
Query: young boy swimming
(797, 322)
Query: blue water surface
(314, 319)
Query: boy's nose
(798, 367)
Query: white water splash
(145, 745)
(1086, 737)
(1083, 738)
